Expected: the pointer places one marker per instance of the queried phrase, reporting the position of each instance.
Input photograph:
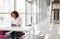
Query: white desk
(23, 29)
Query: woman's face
(13, 15)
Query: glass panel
(23, 18)
(20, 6)
(33, 19)
(9, 5)
(1, 6)
(31, 12)
(6, 6)
(34, 8)
(28, 11)
(29, 7)
(5, 19)
(29, 19)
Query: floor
(51, 31)
(54, 32)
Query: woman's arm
(13, 25)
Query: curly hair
(16, 13)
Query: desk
(23, 29)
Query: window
(20, 6)
(7, 6)
(56, 14)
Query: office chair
(2, 34)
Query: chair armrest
(8, 33)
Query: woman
(15, 22)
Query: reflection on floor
(52, 32)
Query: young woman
(15, 22)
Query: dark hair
(16, 13)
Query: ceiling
(47, 1)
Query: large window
(30, 11)
(20, 6)
(7, 6)
(36, 11)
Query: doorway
(56, 16)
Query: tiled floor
(52, 31)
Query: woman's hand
(19, 25)
(13, 25)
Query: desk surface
(9, 28)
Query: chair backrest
(2, 32)
(22, 34)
